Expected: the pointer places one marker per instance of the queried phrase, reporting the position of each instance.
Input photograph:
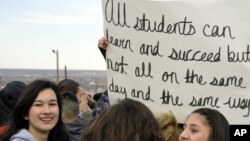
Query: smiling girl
(37, 115)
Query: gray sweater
(22, 135)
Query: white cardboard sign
(180, 55)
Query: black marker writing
(141, 94)
(191, 77)
(241, 103)
(172, 76)
(237, 56)
(170, 99)
(118, 66)
(191, 55)
(109, 15)
(184, 27)
(117, 89)
(211, 101)
(216, 31)
(123, 43)
(229, 81)
(141, 72)
(150, 50)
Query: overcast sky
(30, 29)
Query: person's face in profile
(44, 112)
(196, 128)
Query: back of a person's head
(97, 96)
(11, 93)
(68, 85)
(218, 123)
(70, 106)
(128, 120)
(169, 126)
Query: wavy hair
(169, 126)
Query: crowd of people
(45, 111)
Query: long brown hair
(129, 120)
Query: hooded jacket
(22, 135)
(76, 128)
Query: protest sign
(180, 55)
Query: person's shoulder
(22, 135)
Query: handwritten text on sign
(180, 56)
